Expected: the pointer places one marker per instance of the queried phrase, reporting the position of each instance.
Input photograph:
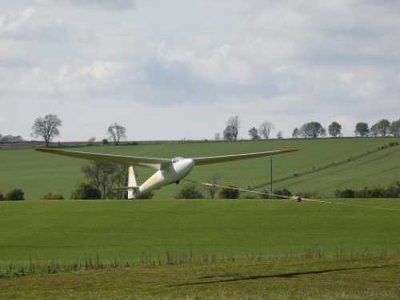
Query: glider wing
(148, 162)
(157, 163)
(226, 158)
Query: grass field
(168, 248)
(307, 278)
(200, 248)
(39, 173)
(68, 230)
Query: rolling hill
(321, 165)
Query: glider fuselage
(169, 173)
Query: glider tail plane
(133, 188)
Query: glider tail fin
(133, 189)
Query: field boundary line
(350, 159)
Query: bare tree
(117, 132)
(296, 133)
(46, 128)
(265, 129)
(233, 124)
(106, 177)
(212, 187)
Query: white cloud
(100, 70)
(12, 22)
(36, 79)
(223, 67)
(155, 60)
(217, 65)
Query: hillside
(377, 169)
(39, 173)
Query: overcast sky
(179, 69)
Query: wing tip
(49, 150)
(290, 150)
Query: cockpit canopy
(176, 159)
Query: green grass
(40, 173)
(356, 278)
(199, 249)
(376, 169)
(69, 230)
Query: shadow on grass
(283, 275)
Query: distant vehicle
(168, 170)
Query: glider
(168, 170)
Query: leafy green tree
(395, 128)
(229, 133)
(382, 127)
(11, 139)
(374, 131)
(146, 195)
(253, 132)
(335, 129)
(283, 192)
(1, 196)
(189, 191)
(15, 194)
(346, 193)
(85, 191)
(229, 193)
(51, 196)
(46, 128)
(361, 129)
(312, 130)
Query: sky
(179, 69)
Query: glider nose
(184, 166)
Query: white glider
(168, 170)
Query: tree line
(391, 191)
(10, 139)
(311, 129)
(47, 128)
